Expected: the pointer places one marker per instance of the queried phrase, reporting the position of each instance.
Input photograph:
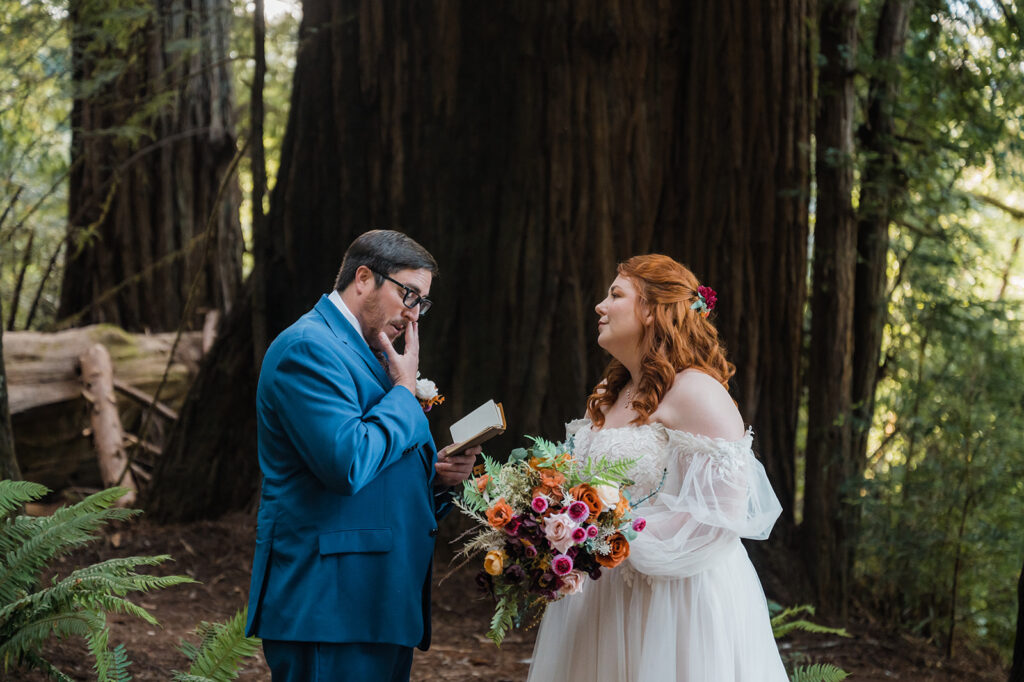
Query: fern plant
(786, 621)
(77, 604)
(220, 652)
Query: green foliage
(506, 615)
(819, 672)
(220, 652)
(35, 134)
(77, 604)
(938, 550)
(785, 621)
(943, 499)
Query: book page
(487, 416)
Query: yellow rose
(494, 562)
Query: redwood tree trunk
(152, 141)
(531, 147)
(738, 210)
(881, 193)
(209, 465)
(830, 458)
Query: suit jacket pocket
(364, 540)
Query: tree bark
(531, 147)
(8, 459)
(186, 488)
(830, 459)
(736, 208)
(259, 187)
(152, 139)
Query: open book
(482, 424)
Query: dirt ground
(217, 554)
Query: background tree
(531, 148)
(152, 141)
(831, 461)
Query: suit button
(433, 532)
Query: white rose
(425, 389)
(609, 495)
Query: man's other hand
(454, 467)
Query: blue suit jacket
(348, 514)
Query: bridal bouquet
(546, 524)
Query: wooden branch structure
(107, 433)
(52, 420)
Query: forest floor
(218, 554)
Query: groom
(353, 485)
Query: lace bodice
(659, 450)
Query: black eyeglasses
(411, 299)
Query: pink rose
(539, 504)
(572, 582)
(561, 565)
(558, 530)
(639, 524)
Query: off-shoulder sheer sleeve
(573, 427)
(714, 493)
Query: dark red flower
(709, 296)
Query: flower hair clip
(706, 300)
(427, 394)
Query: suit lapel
(347, 334)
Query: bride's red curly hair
(677, 338)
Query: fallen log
(107, 435)
(49, 416)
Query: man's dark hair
(384, 252)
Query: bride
(686, 606)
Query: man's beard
(376, 323)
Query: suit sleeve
(343, 446)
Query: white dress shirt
(336, 299)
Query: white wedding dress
(686, 606)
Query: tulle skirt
(627, 627)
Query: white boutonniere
(427, 393)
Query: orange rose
(481, 483)
(586, 494)
(553, 494)
(551, 478)
(619, 551)
(499, 514)
(622, 507)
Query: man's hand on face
(402, 367)
(455, 467)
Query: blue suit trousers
(323, 662)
